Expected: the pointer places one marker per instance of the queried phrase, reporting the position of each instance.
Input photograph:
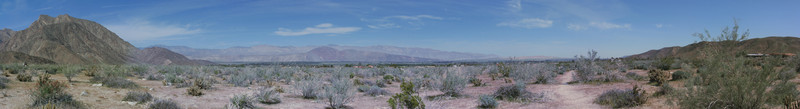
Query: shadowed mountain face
(9, 57)
(266, 53)
(756, 45)
(5, 34)
(68, 40)
(162, 56)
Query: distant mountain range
(756, 45)
(268, 53)
(68, 40)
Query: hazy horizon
(504, 28)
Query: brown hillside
(755, 45)
(162, 56)
(9, 57)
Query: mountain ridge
(771, 44)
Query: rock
(130, 103)
(151, 88)
(84, 93)
(97, 84)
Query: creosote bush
(515, 92)
(163, 104)
(659, 76)
(622, 98)
(51, 92)
(487, 101)
(137, 96)
(406, 100)
(194, 91)
(678, 75)
(25, 77)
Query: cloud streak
(607, 25)
(141, 30)
(528, 23)
(324, 28)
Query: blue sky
(562, 28)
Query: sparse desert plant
(163, 104)
(3, 81)
(380, 83)
(487, 101)
(659, 76)
(476, 82)
(70, 72)
(406, 100)
(308, 88)
(388, 79)
(138, 96)
(515, 92)
(267, 96)
(453, 84)
(678, 75)
(340, 92)
(634, 76)
(666, 89)
(375, 91)
(51, 92)
(589, 68)
(363, 88)
(171, 79)
(622, 98)
(25, 77)
(241, 102)
(241, 80)
(194, 91)
(114, 82)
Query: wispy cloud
(515, 5)
(324, 28)
(659, 25)
(528, 23)
(141, 30)
(397, 21)
(607, 25)
(576, 27)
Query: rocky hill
(68, 40)
(756, 45)
(9, 57)
(162, 56)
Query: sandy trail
(571, 96)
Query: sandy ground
(559, 95)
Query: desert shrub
(678, 75)
(663, 63)
(665, 89)
(137, 96)
(154, 77)
(171, 79)
(25, 77)
(240, 80)
(515, 92)
(375, 91)
(622, 98)
(406, 100)
(203, 83)
(363, 88)
(241, 102)
(659, 76)
(163, 104)
(589, 68)
(487, 101)
(70, 72)
(50, 92)
(781, 91)
(114, 82)
(308, 88)
(476, 82)
(727, 80)
(388, 79)
(194, 91)
(380, 83)
(453, 84)
(340, 92)
(504, 69)
(267, 96)
(634, 76)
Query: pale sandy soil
(560, 95)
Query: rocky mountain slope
(756, 45)
(68, 40)
(9, 57)
(266, 53)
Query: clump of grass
(267, 96)
(622, 98)
(487, 101)
(241, 102)
(137, 96)
(163, 104)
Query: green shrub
(678, 75)
(476, 82)
(267, 96)
(139, 97)
(70, 72)
(163, 104)
(25, 77)
(388, 79)
(666, 89)
(622, 98)
(487, 101)
(171, 79)
(241, 102)
(363, 88)
(659, 76)
(406, 100)
(375, 91)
